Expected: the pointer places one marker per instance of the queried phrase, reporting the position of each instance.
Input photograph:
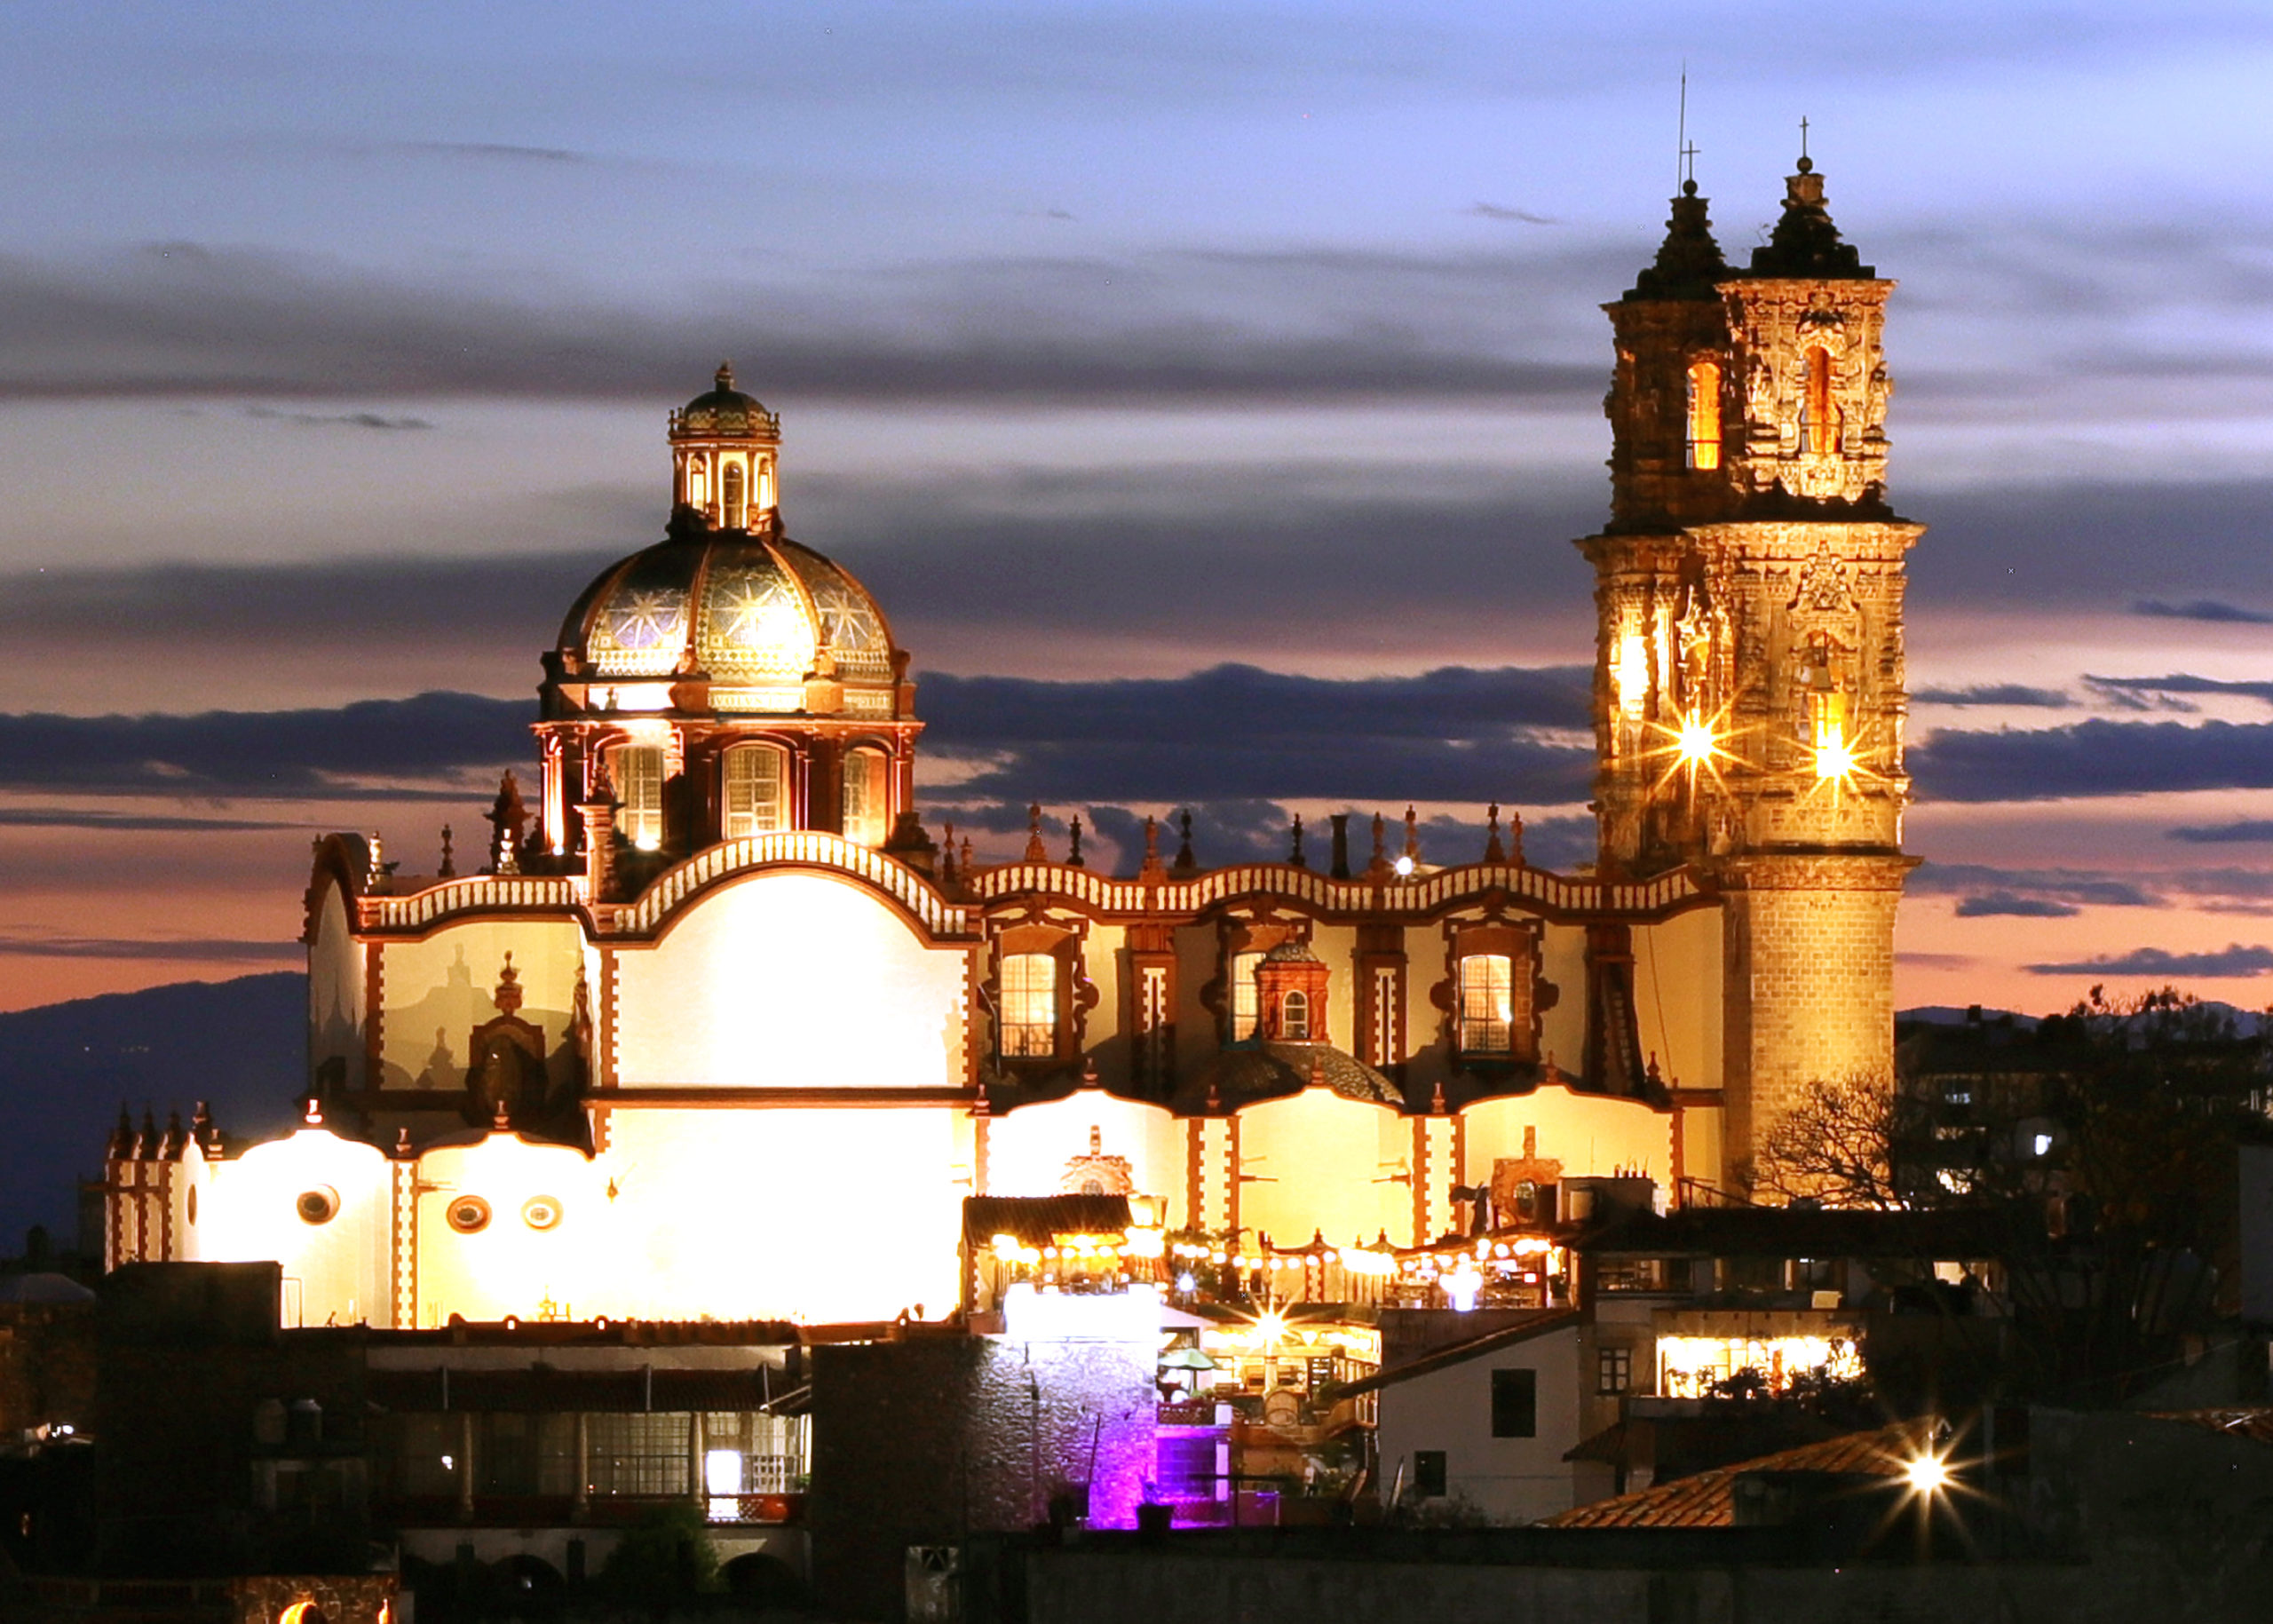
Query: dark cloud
(2005, 902)
(1238, 734)
(1995, 693)
(2179, 682)
(504, 150)
(295, 754)
(2067, 886)
(177, 950)
(2097, 757)
(2252, 829)
(74, 818)
(2156, 964)
(2203, 609)
(346, 420)
(1517, 217)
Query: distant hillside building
(718, 1031)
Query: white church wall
(1027, 1151)
(437, 990)
(1309, 1162)
(335, 1268)
(1589, 1134)
(335, 990)
(791, 980)
(1562, 1029)
(1677, 996)
(549, 1238)
(801, 1213)
(1101, 952)
(1337, 945)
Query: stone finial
(501, 1120)
(1295, 856)
(1185, 862)
(1515, 838)
(1340, 869)
(313, 1116)
(171, 1145)
(966, 854)
(507, 818)
(402, 1147)
(375, 875)
(508, 993)
(146, 1143)
(1494, 852)
(948, 857)
(1151, 871)
(1073, 858)
(1036, 853)
(1437, 1104)
(1413, 834)
(122, 1137)
(449, 870)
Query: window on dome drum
(1029, 1005)
(1486, 1004)
(698, 482)
(638, 771)
(732, 486)
(1818, 417)
(758, 800)
(1246, 1007)
(865, 800)
(1295, 1017)
(1704, 414)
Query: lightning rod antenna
(1681, 141)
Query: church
(718, 1031)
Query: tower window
(1029, 1005)
(1704, 414)
(732, 485)
(698, 482)
(867, 801)
(1294, 1017)
(1247, 1007)
(1818, 415)
(1487, 1004)
(757, 801)
(639, 770)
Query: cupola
(725, 457)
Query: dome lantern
(725, 449)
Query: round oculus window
(317, 1206)
(541, 1212)
(469, 1215)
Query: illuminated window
(1823, 719)
(1246, 1007)
(639, 770)
(1029, 1005)
(1629, 674)
(1294, 1017)
(1487, 1003)
(1613, 1370)
(758, 800)
(865, 802)
(732, 485)
(698, 482)
(1818, 417)
(1704, 414)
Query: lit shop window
(639, 770)
(864, 797)
(756, 791)
(1029, 1005)
(1487, 1004)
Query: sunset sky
(1210, 393)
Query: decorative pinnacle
(725, 374)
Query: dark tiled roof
(541, 1389)
(1796, 1231)
(1540, 1324)
(1246, 1072)
(1037, 1220)
(1689, 262)
(1708, 1499)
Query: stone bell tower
(1748, 690)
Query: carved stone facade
(1749, 694)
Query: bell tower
(1748, 694)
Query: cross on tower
(1803, 136)
(1689, 161)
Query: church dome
(740, 607)
(724, 410)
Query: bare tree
(1835, 1145)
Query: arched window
(867, 804)
(1818, 414)
(1294, 1017)
(1487, 1004)
(638, 770)
(698, 482)
(1823, 713)
(1247, 1007)
(1704, 414)
(757, 791)
(1029, 1005)
(732, 484)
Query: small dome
(724, 410)
(1294, 952)
(737, 606)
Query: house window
(733, 493)
(866, 800)
(1818, 417)
(1515, 1404)
(1486, 1004)
(1613, 1370)
(757, 801)
(1029, 1005)
(1429, 1473)
(1294, 1017)
(1704, 414)
(1247, 1006)
(639, 770)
